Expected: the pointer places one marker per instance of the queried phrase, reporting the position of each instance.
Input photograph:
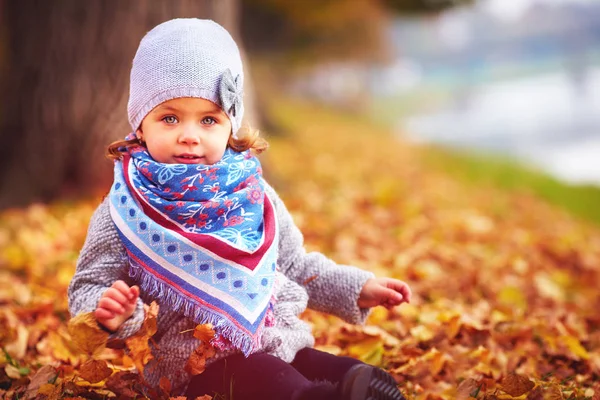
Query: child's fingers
(121, 287)
(116, 295)
(392, 297)
(111, 305)
(134, 292)
(102, 314)
(402, 288)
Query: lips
(188, 158)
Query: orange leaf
(204, 332)
(95, 371)
(516, 385)
(86, 333)
(197, 361)
(139, 350)
(165, 384)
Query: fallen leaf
(123, 384)
(468, 388)
(12, 371)
(18, 348)
(95, 371)
(516, 385)
(46, 374)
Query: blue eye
(170, 119)
(209, 121)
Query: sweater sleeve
(102, 261)
(332, 288)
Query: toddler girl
(190, 222)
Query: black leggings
(262, 376)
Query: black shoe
(364, 382)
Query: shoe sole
(383, 387)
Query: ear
(139, 135)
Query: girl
(190, 222)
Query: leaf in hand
(86, 333)
(139, 350)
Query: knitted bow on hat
(231, 92)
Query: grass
(583, 201)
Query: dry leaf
(139, 349)
(197, 361)
(204, 332)
(95, 371)
(46, 374)
(516, 385)
(468, 388)
(86, 333)
(123, 384)
(165, 385)
(12, 371)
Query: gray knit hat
(187, 58)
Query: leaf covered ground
(505, 287)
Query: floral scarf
(201, 238)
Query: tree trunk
(65, 83)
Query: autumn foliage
(505, 287)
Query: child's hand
(116, 305)
(385, 292)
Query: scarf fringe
(180, 303)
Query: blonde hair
(250, 140)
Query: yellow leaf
(574, 345)
(369, 350)
(422, 333)
(60, 348)
(86, 333)
(95, 371)
(512, 297)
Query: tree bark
(65, 84)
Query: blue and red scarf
(202, 239)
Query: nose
(189, 135)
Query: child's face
(186, 131)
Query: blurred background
(509, 79)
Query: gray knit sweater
(335, 290)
